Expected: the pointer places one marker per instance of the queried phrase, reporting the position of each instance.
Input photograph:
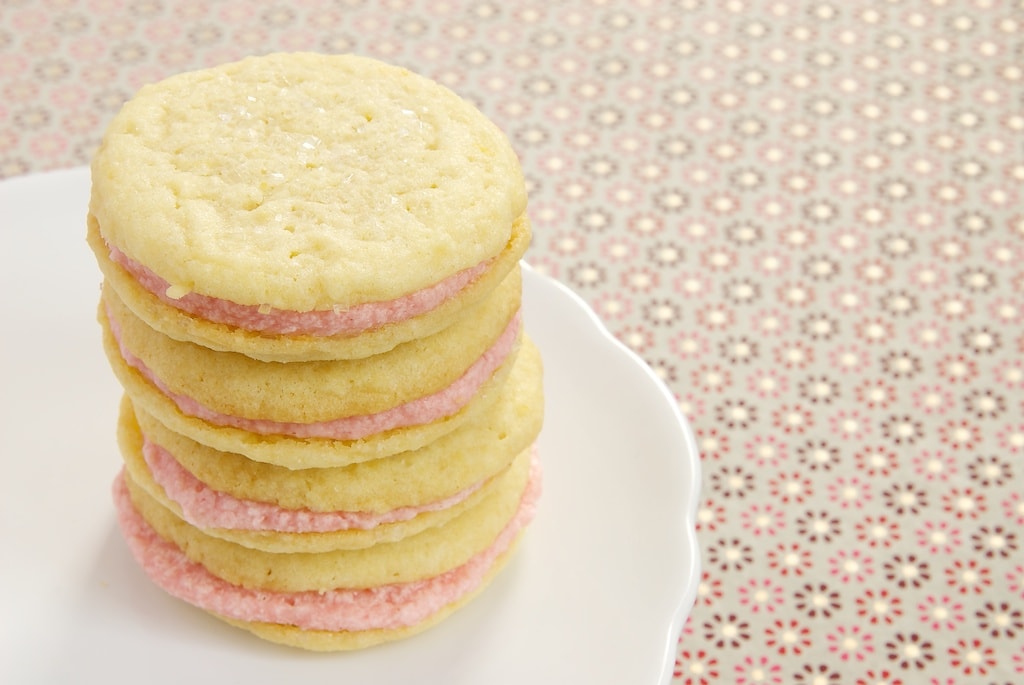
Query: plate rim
(687, 597)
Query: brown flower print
(818, 526)
(1000, 620)
(906, 571)
(726, 631)
(817, 600)
(910, 651)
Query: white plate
(597, 593)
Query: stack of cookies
(312, 300)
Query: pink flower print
(625, 194)
(849, 298)
(612, 307)
(941, 614)
(757, 671)
(697, 228)
(878, 531)
(796, 236)
(792, 418)
(48, 145)
(849, 492)
(848, 240)
(934, 465)
(879, 606)
(793, 354)
(1006, 311)
(875, 393)
(851, 566)
(692, 406)
(957, 369)
(924, 165)
(710, 515)
(950, 249)
(873, 271)
(761, 594)
(1015, 580)
(797, 182)
(849, 424)
(567, 243)
(766, 382)
(929, 335)
(788, 637)
(789, 559)
(968, 577)
(690, 345)
(715, 316)
(693, 284)
(972, 657)
(960, 435)
(696, 667)
(1013, 508)
(850, 643)
(879, 677)
(939, 537)
(771, 208)
(640, 279)
(761, 519)
(932, 399)
(722, 203)
(848, 359)
(876, 460)
(771, 263)
(766, 450)
(775, 155)
(712, 443)
(718, 259)
(999, 197)
(953, 306)
(614, 249)
(874, 215)
(925, 218)
(947, 193)
(790, 487)
(927, 276)
(711, 378)
(1009, 373)
(709, 590)
(639, 338)
(964, 503)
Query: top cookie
(304, 182)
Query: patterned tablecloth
(806, 216)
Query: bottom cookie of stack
(345, 599)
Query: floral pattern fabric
(807, 217)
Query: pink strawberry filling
(383, 607)
(325, 322)
(205, 507)
(420, 411)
